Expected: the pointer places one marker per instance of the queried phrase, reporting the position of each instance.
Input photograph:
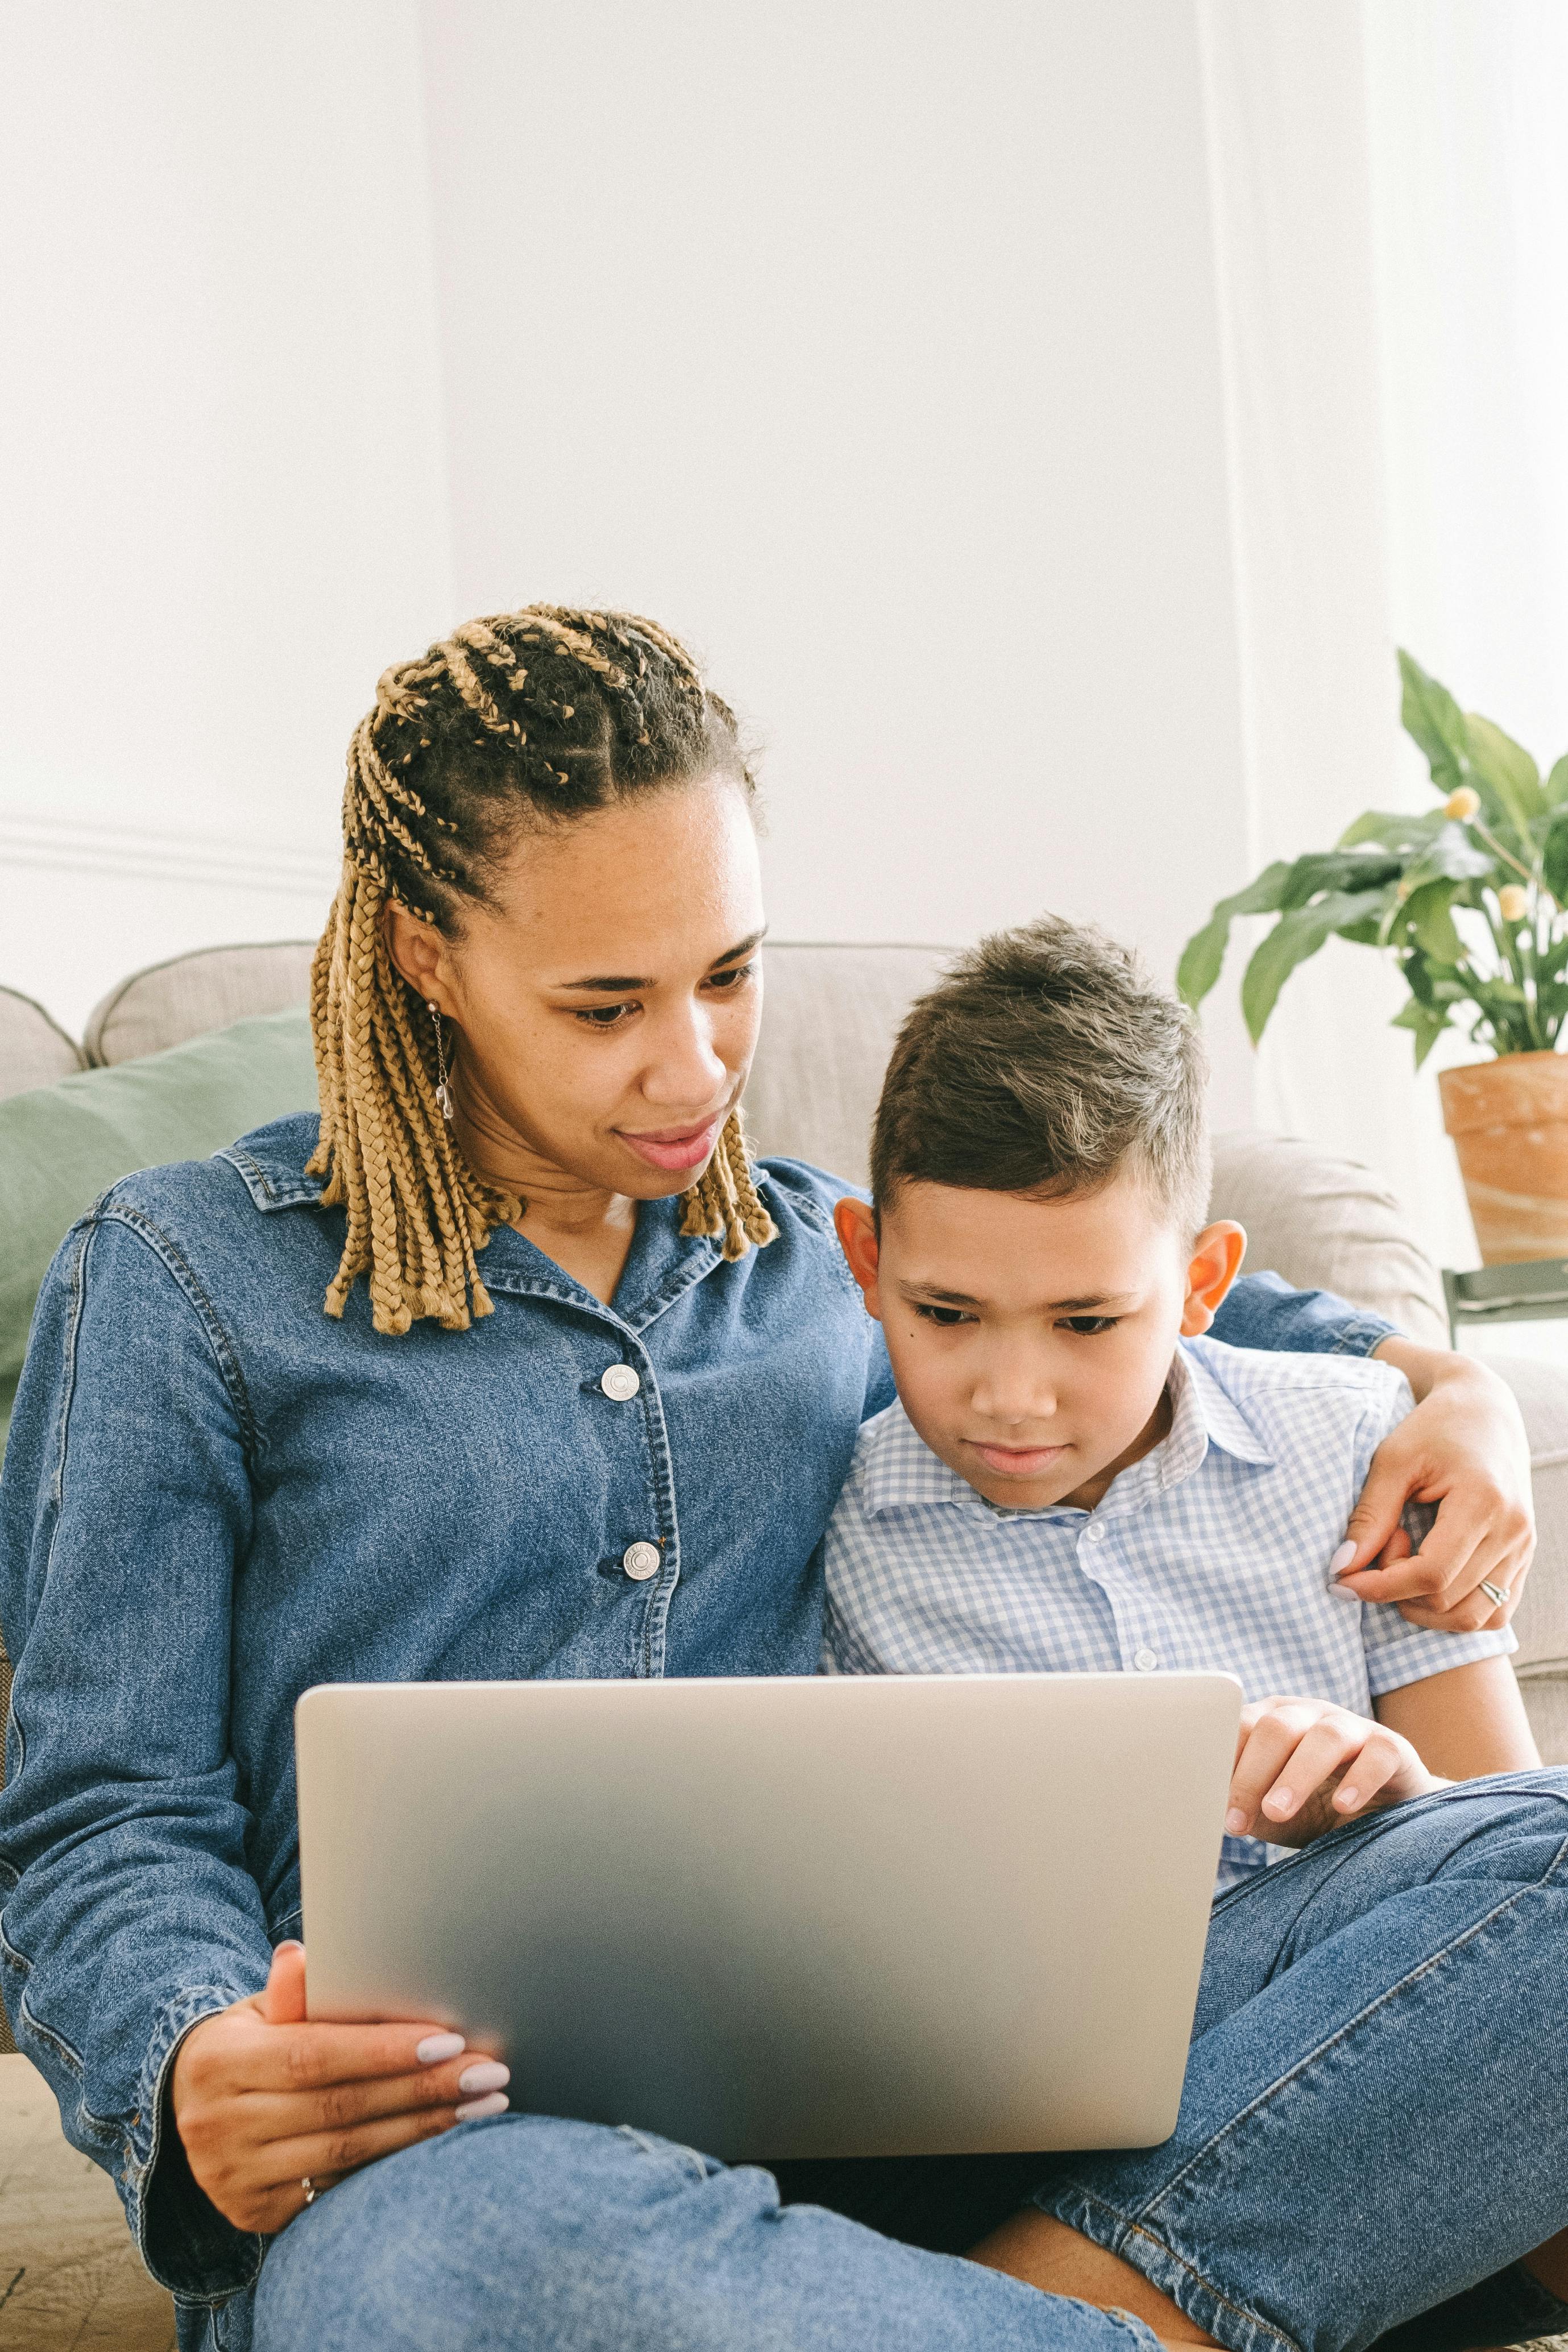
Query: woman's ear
(1213, 1266)
(419, 952)
(857, 1237)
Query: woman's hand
(263, 2099)
(1303, 1767)
(1463, 1448)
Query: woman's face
(606, 1006)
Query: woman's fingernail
(492, 2104)
(1344, 1592)
(489, 2074)
(1279, 1801)
(436, 2046)
(1347, 1796)
(1342, 1559)
(289, 1944)
(1235, 1822)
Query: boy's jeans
(1375, 2117)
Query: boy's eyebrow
(607, 982)
(1090, 1305)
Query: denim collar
(664, 1263)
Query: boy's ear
(857, 1237)
(1213, 1266)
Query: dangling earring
(443, 1088)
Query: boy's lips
(1018, 1461)
(675, 1146)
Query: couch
(69, 2277)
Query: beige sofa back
(832, 1013)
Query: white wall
(222, 474)
(874, 348)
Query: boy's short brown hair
(1046, 1060)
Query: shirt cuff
(186, 2243)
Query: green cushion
(61, 1146)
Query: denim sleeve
(129, 1913)
(1262, 1311)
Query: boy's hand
(1303, 1767)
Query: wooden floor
(69, 2278)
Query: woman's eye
(1089, 1327)
(944, 1316)
(607, 1017)
(726, 982)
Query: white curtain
(1390, 189)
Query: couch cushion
(830, 1019)
(61, 1146)
(1323, 1223)
(193, 993)
(34, 1049)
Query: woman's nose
(685, 1071)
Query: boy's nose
(1014, 1395)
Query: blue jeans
(1375, 2119)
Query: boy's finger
(1316, 1758)
(1273, 1738)
(1365, 1774)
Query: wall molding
(145, 853)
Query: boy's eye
(945, 1316)
(607, 1017)
(1089, 1327)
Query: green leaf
(1554, 855)
(1452, 857)
(1393, 829)
(1204, 952)
(1507, 767)
(1556, 785)
(1428, 1025)
(1299, 933)
(1431, 925)
(1429, 713)
(1333, 869)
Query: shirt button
(640, 1561)
(1095, 1531)
(1146, 1661)
(621, 1381)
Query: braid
(574, 710)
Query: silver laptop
(823, 1916)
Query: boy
(1074, 1479)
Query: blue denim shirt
(215, 1496)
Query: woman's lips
(675, 1146)
(1018, 1461)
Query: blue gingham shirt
(1211, 1553)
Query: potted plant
(1469, 899)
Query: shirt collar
(897, 1470)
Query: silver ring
(1494, 1592)
(310, 2190)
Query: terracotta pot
(1508, 1119)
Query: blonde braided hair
(428, 803)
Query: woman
(535, 1008)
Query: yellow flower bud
(1462, 804)
(1513, 903)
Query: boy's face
(1031, 1340)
